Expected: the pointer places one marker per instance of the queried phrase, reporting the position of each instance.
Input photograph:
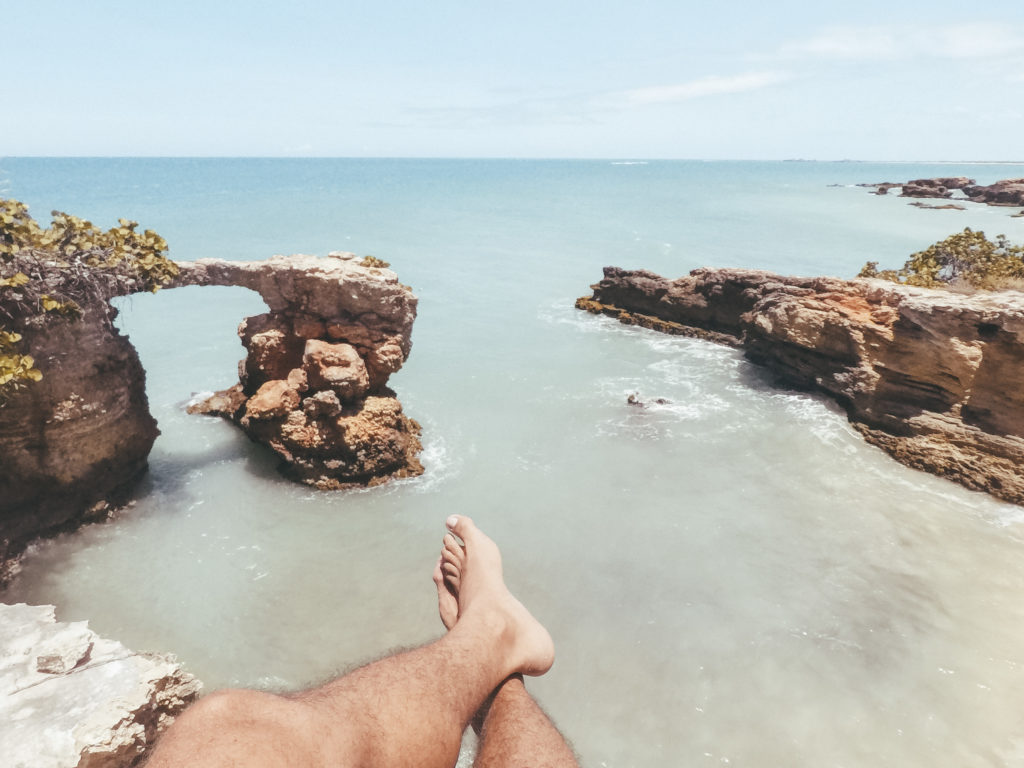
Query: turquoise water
(731, 577)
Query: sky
(865, 80)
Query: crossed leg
(405, 710)
(514, 731)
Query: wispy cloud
(705, 86)
(960, 41)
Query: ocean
(732, 577)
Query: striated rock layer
(930, 376)
(71, 698)
(75, 442)
(313, 385)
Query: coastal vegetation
(53, 272)
(965, 259)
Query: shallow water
(731, 577)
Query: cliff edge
(929, 376)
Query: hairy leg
(406, 710)
(514, 731)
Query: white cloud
(953, 41)
(707, 86)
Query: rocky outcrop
(930, 376)
(74, 443)
(1008, 192)
(70, 698)
(313, 385)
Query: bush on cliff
(57, 270)
(966, 257)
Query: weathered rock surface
(313, 385)
(70, 698)
(930, 376)
(75, 442)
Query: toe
(461, 526)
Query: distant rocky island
(1008, 192)
(930, 376)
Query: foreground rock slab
(313, 385)
(930, 376)
(70, 698)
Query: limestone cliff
(314, 383)
(70, 698)
(77, 440)
(930, 376)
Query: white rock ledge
(70, 698)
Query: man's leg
(406, 710)
(514, 731)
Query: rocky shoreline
(921, 373)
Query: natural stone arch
(313, 385)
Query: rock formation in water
(314, 383)
(930, 376)
(74, 443)
(1008, 192)
(69, 698)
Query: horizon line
(609, 158)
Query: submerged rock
(313, 385)
(70, 698)
(928, 375)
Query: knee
(223, 722)
(230, 705)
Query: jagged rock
(314, 381)
(225, 403)
(70, 698)
(337, 367)
(941, 187)
(928, 375)
(1006, 192)
(274, 400)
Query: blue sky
(893, 80)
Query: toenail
(452, 521)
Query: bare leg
(514, 731)
(406, 710)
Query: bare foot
(472, 574)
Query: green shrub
(966, 257)
(53, 271)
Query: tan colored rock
(226, 403)
(337, 367)
(930, 376)
(274, 400)
(298, 380)
(101, 706)
(383, 360)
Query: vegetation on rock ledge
(967, 257)
(54, 271)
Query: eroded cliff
(930, 376)
(73, 444)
